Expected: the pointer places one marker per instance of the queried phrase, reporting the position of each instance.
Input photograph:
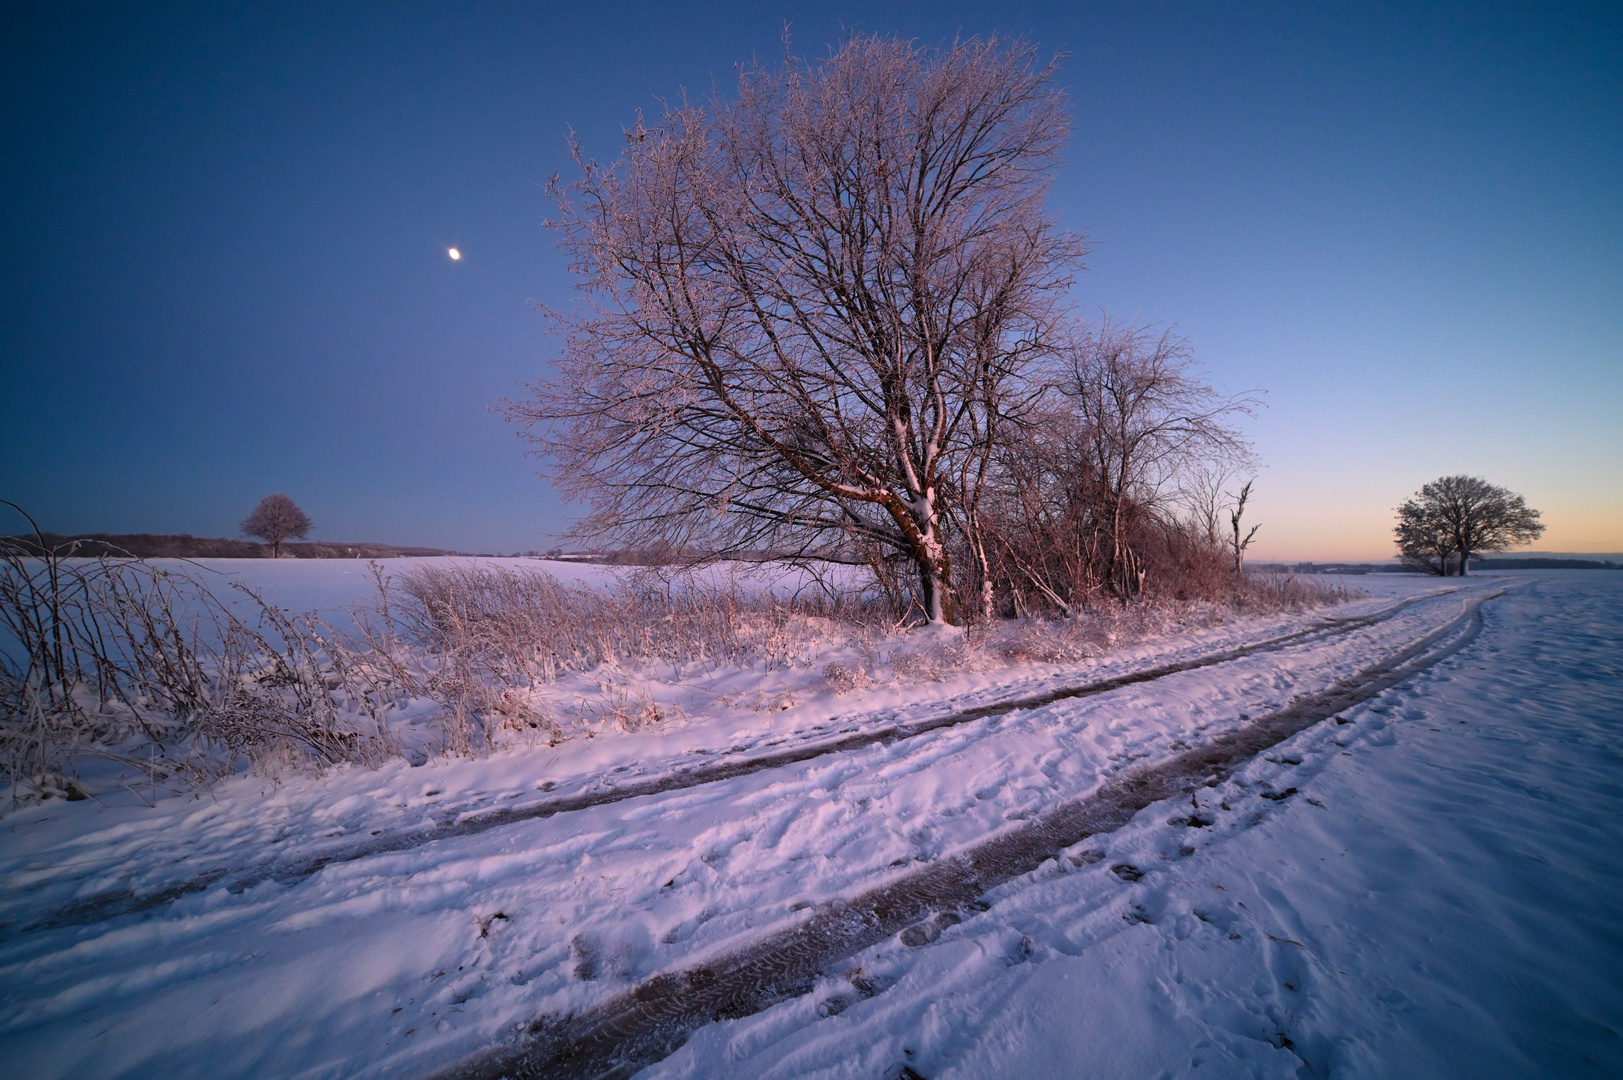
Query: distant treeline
(184, 546)
(1534, 563)
(1513, 563)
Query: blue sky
(225, 231)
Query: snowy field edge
(427, 955)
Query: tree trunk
(984, 565)
(920, 525)
(1121, 571)
(935, 589)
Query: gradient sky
(225, 232)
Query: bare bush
(1090, 487)
(843, 679)
(275, 691)
(1146, 422)
(628, 711)
(147, 666)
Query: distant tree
(275, 519)
(1425, 542)
(1462, 516)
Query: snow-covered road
(1239, 947)
(1439, 898)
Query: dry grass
(124, 660)
(118, 658)
(1089, 633)
(495, 633)
(1102, 627)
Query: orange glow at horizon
(1364, 533)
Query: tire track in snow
(106, 905)
(653, 1019)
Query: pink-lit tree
(810, 308)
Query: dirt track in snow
(654, 1018)
(108, 905)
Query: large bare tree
(810, 307)
(1463, 515)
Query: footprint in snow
(928, 931)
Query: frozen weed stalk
(493, 634)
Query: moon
(455, 254)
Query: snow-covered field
(1425, 886)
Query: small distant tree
(275, 519)
(1462, 516)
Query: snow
(1436, 898)
(332, 588)
(1439, 898)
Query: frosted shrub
(148, 667)
(842, 679)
